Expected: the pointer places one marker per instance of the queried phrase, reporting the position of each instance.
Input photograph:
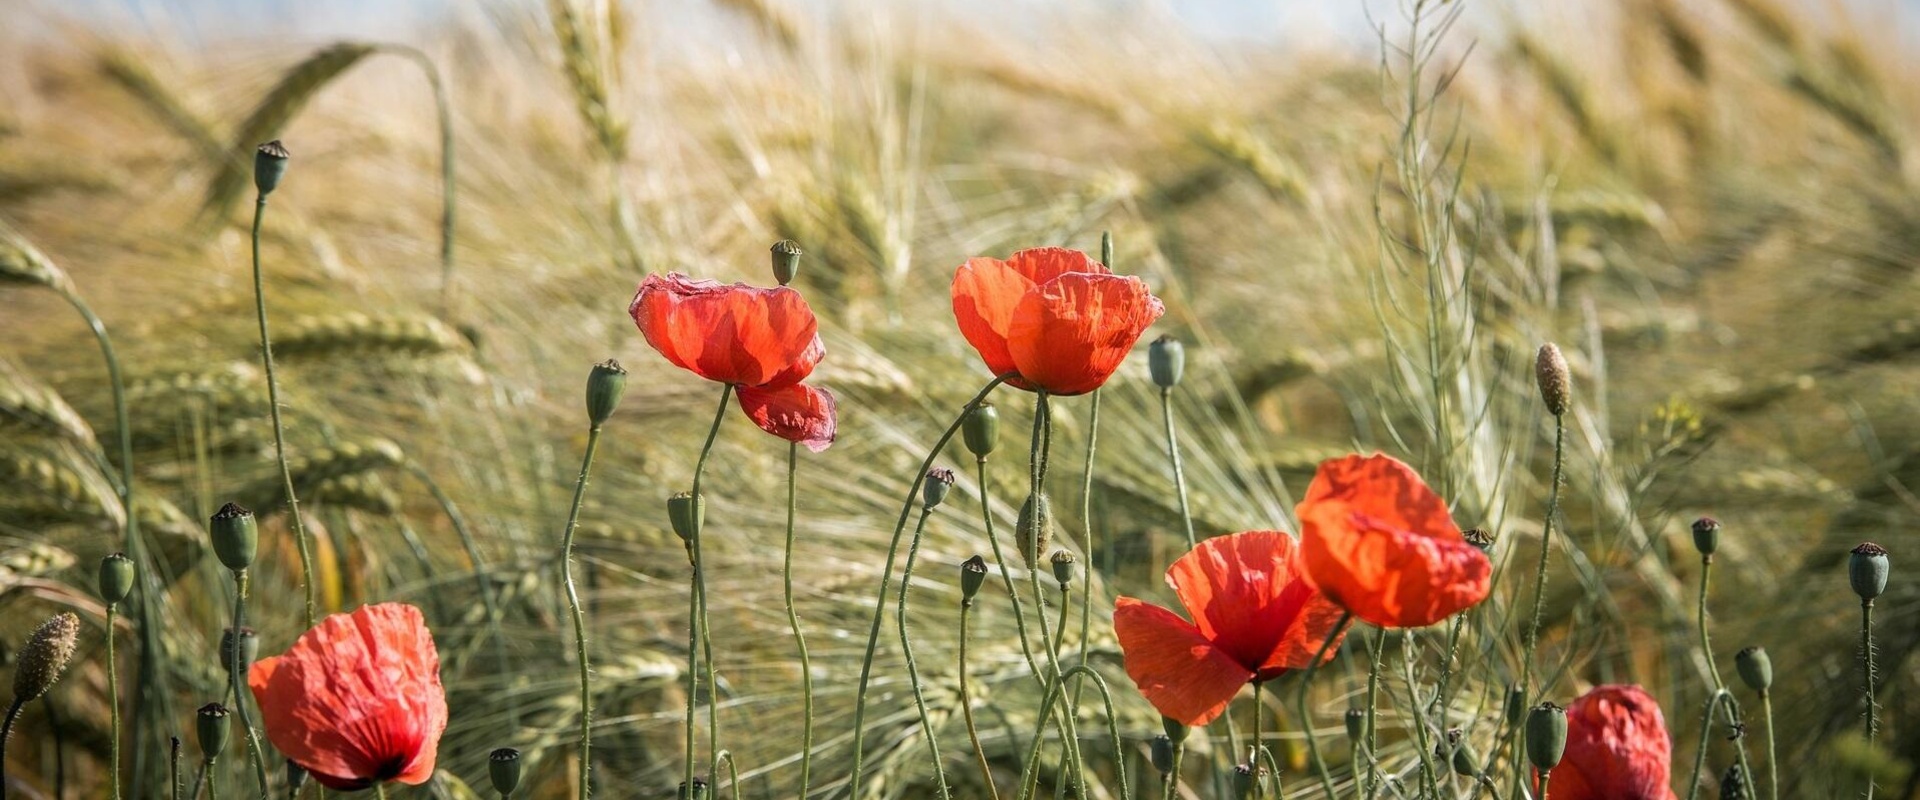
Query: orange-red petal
(1069, 334)
(734, 334)
(1245, 595)
(987, 290)
(1377, 541)
(1617, 748)
(798, 413)
(1181, 673)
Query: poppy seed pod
(1245, 777)
(693, 791)
(1867, 571)
(1062, 567)
(1465, 761)
(687, 513)
(116, 578)
(503, 766)
(296, 777)
(1556, 382)
(1515, 708)
(1035, 529)
(1546, 736)
(1167, 361)
(211, 726)
(1479, 538)
(981, 430)
(1706, 536)
(605, 384)
(934, 489)
(973, 573)
(1356, 721)
(249, 649)
(1755, 668)
(236, 536)
(44, 657)
(786, 260)
(1161, 753)
(269, 166)
(1176, 730)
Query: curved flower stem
(279, 431)
(1540, 585)
(1873, 703)
(966, 706)
(1306, 715)
(1373, 692)
(1086, 522)
(1773, 766)
(793, 620)
(579, 617)
(113, 697)
(855, 775)
(1706, 731)
(913, 668)
(235, 677)
(1006, 576)
(1173, 454)
(6, 734)
(733, 771)
(701, 637)
(1046, 710)
(1720, 686)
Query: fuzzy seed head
(1034, 530)
(1556, 382)
(44, 657)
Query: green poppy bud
(236, 536)
(1167, 361)
(1162, 753)
(981, 430)
(211, 725)
(786, 260)
(688, 514)
(1515, 708)
(1755, 668)
(1706, 536)
(249, 644)
(1176, 730)
(116, 578)
(503, 766)
(694, 791)
(973, 573)
(605, 384)
(1867, 571)
(1356, 725)
(1465, 762)
(1062, 567)
(1546, 736)
(269, 166)
(1480, 539)
(1035, 529)
(1245, 777)
(44, 657)
(934, 488)
(1555, 380)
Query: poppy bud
(934, 488)
(1867, 571)
(694, 791)
(1465, 761)
(1166, 360)
(1244, 778)
(1356, 724)
(973, 573)
(1755, 668)
(981, 430)
(1516, 707)
(296, 777)
(1176, 730)
(1546, 736)
(249, 649)
(1062, 567)
(236, 536)
(688, 514)
(211, 725)
(116, 578)
(1162, 753)
(605, 384)
(1733, 785)
(1556, 384)
(1479, 538)
(786, 260)
(1706, 536)
(269, 165)
(503, 766)
(44, 657)
(1035, 528)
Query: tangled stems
(1306, 718)
(1006, 576)
(1719, 686)
(235, 675)
(1173, 454)
(855, 775)
(1086, 511)
(800, 640)
(1113, 729)
(579, 617)
(1866, 663)
(279, 431)
(1169, 787)
(913, 668)
(698, 632)
(966, 706)
(1540, 580)
(1427, 776)
(1373, 693)
(1037, 463)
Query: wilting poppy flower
(1253, 619)
(357, 700)
(1617, 748)
(1381, 544)
(1059, 320)
(762, 341)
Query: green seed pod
(236, 536)
(116, 578)
(211, 725)
(1755, 668)
(1062, 567)
(1176, 730)
(1167, 361)
(973, 573)
(1245, 778)
(1555, 380)
(44, 657)
(688, 514)
(1706, 536)
(503, 766)
(1480, 539)
(249, 649)
(605, 384)
(1465, 762)
(694, 791)
(1546, 736)
(1162, 753)
(1867, 571)
(269, 166)
(296, 777)
(981, 430)
(1035, 529)
(933, 490)
(786, 260)
(1356, 725)
(1515, 708)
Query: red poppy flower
(1617, 748)
(1254, 618)
(762, 341)
(1381, 544)
(1058, 319)
(357, 700)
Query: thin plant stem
(1373, 693)
(1428, 777)
(380, 790)
(1253, 759)
(913, 668)
(173, 768)
(279, 430)
(1006, 577)
(700, 590)
(1170, 785)
(1700, 756)
(1446, 665)
(1173, 455)
(1051, 696)
(1306, 715)
(113, 698)
(579, 616)
(6, 734)
(733, 772)
(1713, 668)
(800, 639)
(1037, 464)
(1773, 764)
(1866, 661)
(1540, 583)
(966, 705)
(234, 677)
(855, 775)
(213, 780)
(1545, 777)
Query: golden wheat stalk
(357, 334)
(21, 264)
(773, 18)
(127, 71)
(297, 87)
(1240, 146)
(1573, 95)
(30, 406)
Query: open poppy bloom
(357, 700)
(1381, 544)
(1617, 748)
(762, 341)
(1254, 618)
(1057, 319)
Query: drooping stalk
(578, 616)
(1052, 696)
(279, 431)
(1540, 587)
(1713, 668)
(696, 607)
(800, 639)
(1306, 716)
(235, 676)
(966, 705)
(913, 668)
(6, 735)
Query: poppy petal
(1069, 334)
(800, 368)
(798, 413)
(1377, 541)
(1181, 673)
(985, 292)
(1617, 747)
(733, 333)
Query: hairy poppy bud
(1176, 730)
(503, 766)
(44, 656)
(1062, 567)
(1167, 361)
(1556, 383)
(1546, 736)
(786, 260)
(269, 166)
(296, 777)
(1356, 724)
(211, 725)
(236, 536)
(1465, 761)
(1755, 668)
(605, 384)
(973, 573)
(1162, 753)
(1867, 571)
(934, 488)
(1706, 536)
(116, 578)
(687, 513)
(249, 648)
(1733, 785)
(1479, 538)
(1035, 529)
(981, 430)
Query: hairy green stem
(6, 734)
(1006, 577)
(236, 678)
(1873, 703)
(173, 769)
(1086, 514)
(1306, 714)
(1037, 468)
(793, 621)
(913, 668)
(1540, 585)
(113, 699)
(1253, 759)
(579, 616)
(1170, 784)
(1773, 764)
(1373, 693)
(1706, 731)
(279, 430)
(702, 638)
(1428, 777)
(213, 780)
(1173, 455)
(1713, 668)
(1052, 696)
(966, 705)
